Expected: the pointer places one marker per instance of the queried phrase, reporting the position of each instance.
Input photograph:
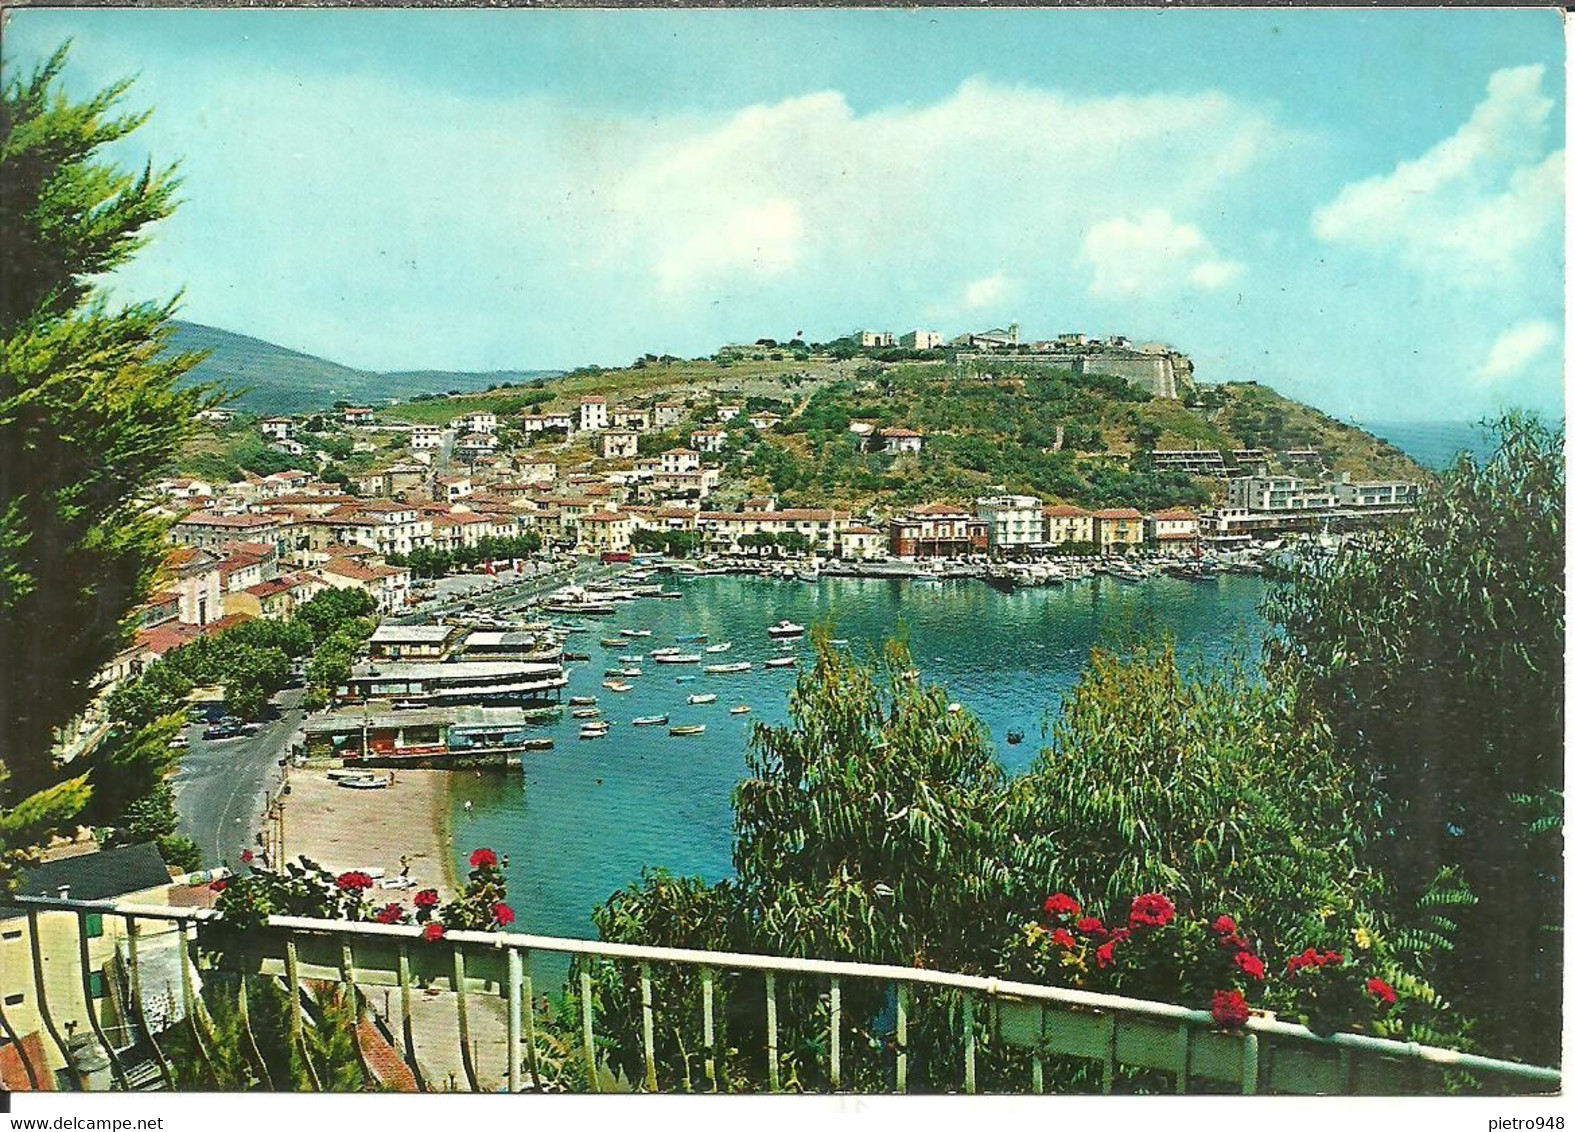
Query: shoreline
(441, 815)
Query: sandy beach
(344, 829)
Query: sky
(1360, 209)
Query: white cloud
(1152, 255)
(1471, 208)
(990, 291)
(1515, 350)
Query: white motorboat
(723, 647)
(703, 698)
(726, 669)
(677, 658)
(782, 662)
(785, 631)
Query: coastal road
(222, 787)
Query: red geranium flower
(1151, 910)
(1233, 943)
(426, 898)
(246, 856)
(433, 933)
(503, 914)
(1224, 925)
(1230, 1009)
(1106, 954)
(483, 859)
(1250, 965)
(1382, 991)
(353, 882)
(219, 885)
(390, 914)
(1062, 905)
(1090, 925)
(1333, 958)
(1063, 938)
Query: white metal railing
(1109, 1031)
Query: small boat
(678, 658)
(839, 641)
(741, 709)
(723, 647)
(669, 595)
(586, 713)
(1014, 737)
(669, 651)
(612, 672)
(685, 680)
(690, 638)
(581, 701)
(687, 729)
(630, 672)
(634, 659)
(703, 698)
(785, 630)
(725, 669)
(782, 662)
(635, 632)
(593, 733)
(364, 782)
(649, 721)
(616, 686)
(536, 745)
(612, 642)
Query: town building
(275, 599)
(478, 422)
(1171, 530)
(476, 443)
(1012, 522)
(413, 642)
(823, 528)
(1064, 523)
(875, 339)
(901, 440)
(666, 414)
(385, 527)
(605, 532)
(1118, 529)
(425, 436)
(389, 586)
(630, 417)
(677, 460)
(1277, 493)
(938, 530)
(728, 412)
(708, 439)
(1198, 462)
(593, 414)
(357, 417)
(764, 420)
(277, 428)
(215, 416)
(923, 340)
(859, 543)
(1374, 493)
(620, 443)
(207, 528)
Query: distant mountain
(272, 379)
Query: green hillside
(269, 379)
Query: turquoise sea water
(584, 818)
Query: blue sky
(1363, 210)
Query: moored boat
(687, 729)
(782, 662)
(741, 709)
(616, 686)
(678, 658)
(635, 632)
(725, 669)
(586, 713)
(612, 642)
(668, 651)
(723, 647)
(784, 631)
(690, 638)
(649, 721)
(581, 701)
(703, 698)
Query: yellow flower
(1363, 938)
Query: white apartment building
(823, 528)
(679, 460)
(1277, 493)
(593, 414)
(666, 414)
(541, 422)
(277, 428)
(1374, 493)
(728, 412)
(620, 443)
(387, 528)
(1012, 520)
(479, 422)
(874, 339)
(708, 439)
(426, 436)
(923, 340)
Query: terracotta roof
(1065, 511)
(939, 509)
(1175, 514)
(240, 561)
(602, 517)
(273, 588)
(209, 519)
(861, 531)
(593, 400)
(1118, 513)
(900, 433)
(799, 514)
(345, 568)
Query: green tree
(89, 413)
(1436, 653)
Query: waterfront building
(859, 543)
(593, 414)
(938, 530)
(1172, 529)
(1374, 493)
(822, 527)
(412, 642)
(1012, 522)
(1277, 493)
(370, 735)
(1118, 529)
(605, 532)
(453, 682)
(1065, 523)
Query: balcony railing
(1114, 1041)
